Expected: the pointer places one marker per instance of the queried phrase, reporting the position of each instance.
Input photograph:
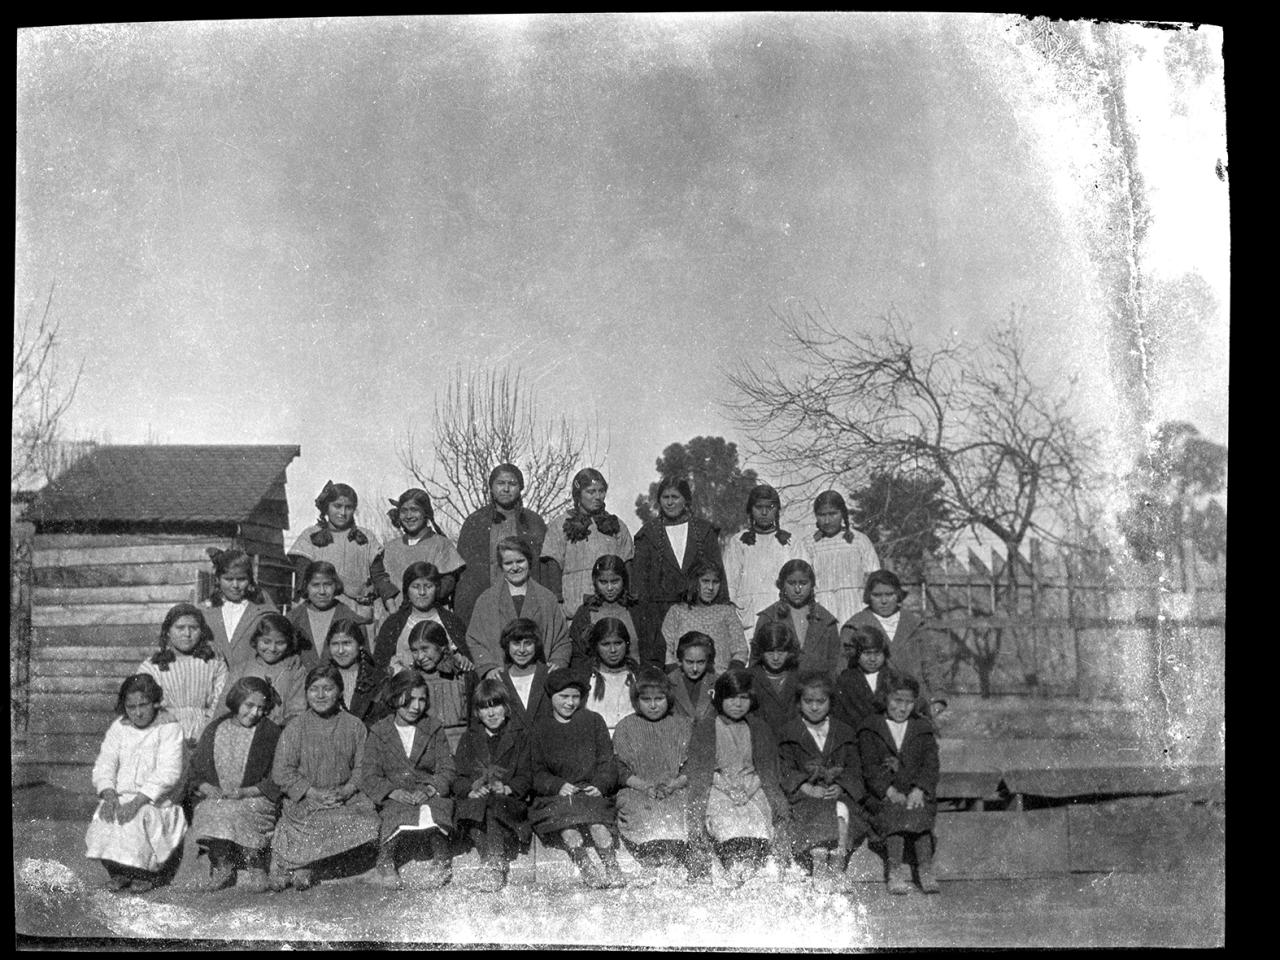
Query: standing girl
(908, 638)
(841, 556)
(816, 630)
(704, 610)
(652, 748)
(407, 771)
(334, 537)
(503, 517)
(822, 777)
(347, 649)
(900, 766)
(420, 541)
(666, 550)
(692, 678)
(236, 603)
(773, 679)
(575, 541)
(494, 776)
(312, 620)
(524, 675)
(516, 594)
(189, 672)
(420, 584)
(733, 775)
(752, 559)
(317, 766)
(612, 672)
(137, 826)
(573, 776)
(231, 770)
(276, 661)
(611, 598)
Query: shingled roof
(158, 483)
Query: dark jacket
(523, 718)
(775, 706)
(681, 703)
(854, 701)
(384, 646)
(797, 751)
(386, 767)
(658, 580)
(366, 701)
(475, 549)
(822, 650)
(510, 752)
(916, 764)
(309, 646)
(577, 752)
(909, 648)
(257, 770)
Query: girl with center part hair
(773, 679)
(667, 549)
(841, 557)
(421, 584)
(319, 611)
(448, 690)
(336, 538)
(693, 677)
(524, 674)
(703, 609)
(189, 672)
(317, 766)
(576, 540)
(276, 660)
(231, 771)
(612, 672)
(408, 772)
(574, 776)
(347, 649)
(420, 541)
(816, 631)
(234, 607)
(652, 750)
(504, 516)
(610, 581)
(752, 559)
(138, 825)
(516, 594)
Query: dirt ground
(60, 901)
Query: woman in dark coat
(659, 574)
(503, 516)
(402, 780)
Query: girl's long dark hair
(204, 649)
(602, 629)
(610, 563)
(349, 628)
(329, 493)
(224, 560)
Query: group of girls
(567, 681)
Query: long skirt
(508, 811)
(550, 815)
(642, 819)
(249, 822)
(396, 814)
(889, 818)
(727, 820)
(145, 842)
(307, 833)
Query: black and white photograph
(694, 481)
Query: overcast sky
(292, 231)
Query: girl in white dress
(840, 555)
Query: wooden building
(119, 538)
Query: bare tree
(487, 417)
(1012, 458)
(42, 394)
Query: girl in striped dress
(841, 557)
(190, 674)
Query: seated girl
(574, 775)
(408, 772)
(421, 596)
(611, 672)
(494, 776)
(137, 826)
(610, 598)
(706, 609)
(317, 766)
(900, 767)
(524, 675)
(276, 660)
(773, 679)
(448, 689)
(189, 672)
(347, 649)
(816, 630)
(692, 678)
(733, 782)
(652, 748)
(822, 777)
(320, 610)
(231, 771)
(517, 594)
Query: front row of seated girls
(676, 788)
